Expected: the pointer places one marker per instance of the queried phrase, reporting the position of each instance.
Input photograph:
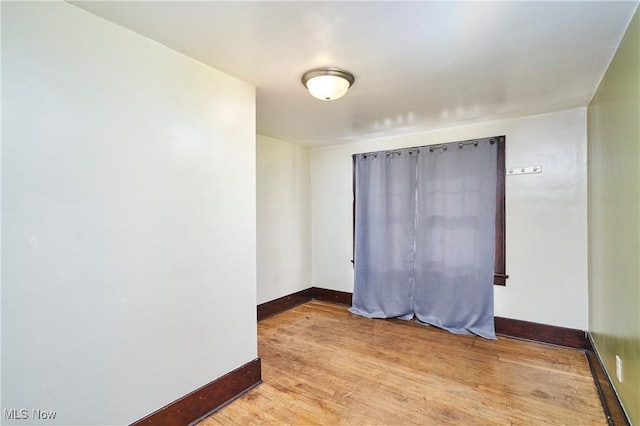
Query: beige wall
(283, 218)
(614, 218)
(128, 213)
(546, 214)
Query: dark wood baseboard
(542, 333)
(289, 301)
(611, 405)
(332, 296)
(209, 398)
(284, 303)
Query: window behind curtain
(426, 242)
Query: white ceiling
(418, 65)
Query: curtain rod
(432, 148)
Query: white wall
(283, 218)
(546, 214)
(128, 213)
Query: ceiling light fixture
(327, 84)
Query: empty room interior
(314, 212)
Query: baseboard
(208, 399)
(610, 402)
(332, 296)
(541, 333)
(284, 303)
(289, 301)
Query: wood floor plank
(321, 365)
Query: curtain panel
(425, 235)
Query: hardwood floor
(323, 365)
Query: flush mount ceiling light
(327, 84)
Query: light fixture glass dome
(327, 84)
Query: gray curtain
(384, 243)
(425, 235)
